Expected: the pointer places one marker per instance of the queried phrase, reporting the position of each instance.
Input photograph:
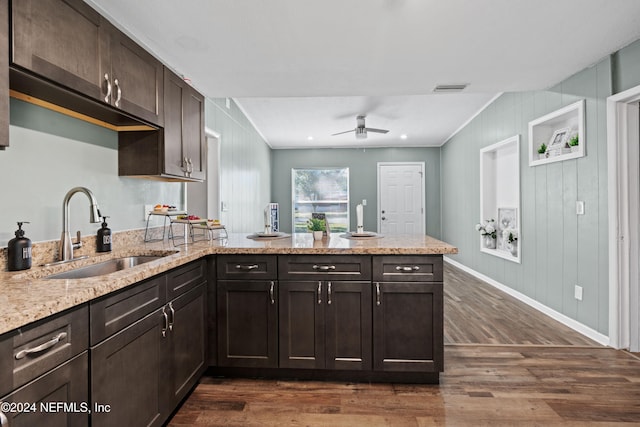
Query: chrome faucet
(66, 245)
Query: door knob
(382, 211)
(383, 218)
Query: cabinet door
(137, 78)
(63, 41)
(247, 323)
(67, 383)
(301, 324)
(188, 341)
(172, 132)
(407, 327)
(193, 138)
(4, 74)
(127, 373)
(348, 325)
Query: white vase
(317, 235)
(488, 242)
(513, 248)
(574, 148)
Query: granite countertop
(26, 296)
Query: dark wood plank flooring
(497, 373)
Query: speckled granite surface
(27, 296)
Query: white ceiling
(299, 67)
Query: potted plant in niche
(488, 232)
(542, 151)
(574, 143)
(511, 236)
(317, 227)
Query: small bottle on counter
(19, 251)
(103, 243)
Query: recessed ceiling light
(310, 138)
(403, 136)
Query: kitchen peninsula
(339, 308)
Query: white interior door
(401, 198)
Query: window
(323, 190)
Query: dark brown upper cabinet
(72, 46)
(4, 74)
(176, 152)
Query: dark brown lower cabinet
(408, 327)
(59, 398)
(325, 325)
(247, 313)
(145, 370)
(128, 371)
(188, 343)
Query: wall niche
(500, 199)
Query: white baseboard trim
(565, 320)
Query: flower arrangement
(488, 228)
(573, 142)
(510, 234)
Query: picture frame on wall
(558, 140)
(507, 218)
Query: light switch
(224, 207)
(364, 202)
(578, 293)
(579, 207)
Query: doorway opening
(623, 154)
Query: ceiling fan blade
(340, 133)
(376, 130)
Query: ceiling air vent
(449, 88)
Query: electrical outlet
(578, 293)
(364, 202)
(579, 207)
(224, 207)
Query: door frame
(623, 153)
(422, 183)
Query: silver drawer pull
(271, 294)
(378, 302)
(246, 267)
(324, 267)
(407, 269)
(319, 293)
(42, 347)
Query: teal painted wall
(51, 153)
(362, 164)
(559, 249)
(245, 167)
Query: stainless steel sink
(105, 267)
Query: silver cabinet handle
(329, 293)
(173, 316)
(378, 301)
(246, 267)
(4, 421)
(407, 269)
(108, 95)
(319, 293)
(324, 267)
(119, 97)
(166, 322)
(42, 347)
(271, 292)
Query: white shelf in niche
(562, 124)
(500, 194)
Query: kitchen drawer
(117, 311)
(39, 347)
(251, 267)
(185, 278)
(413, 268)
(320, 267)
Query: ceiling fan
(361, 130)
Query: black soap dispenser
(19, 251)
(103, 243)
